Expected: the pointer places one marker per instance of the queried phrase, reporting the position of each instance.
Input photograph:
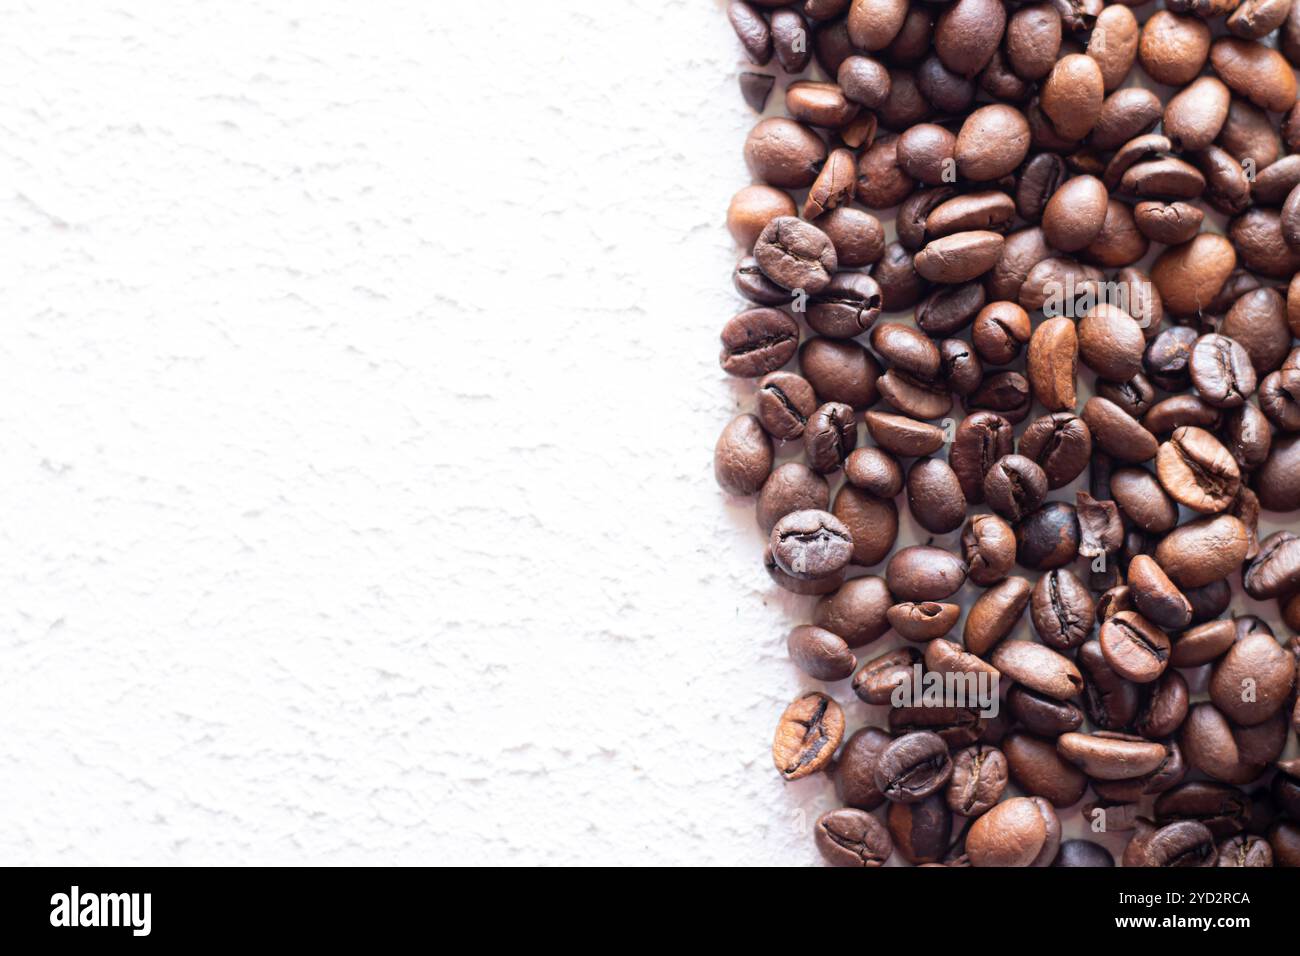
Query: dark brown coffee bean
(1061, 444)
(810, 586)
(1173, 48)
(873, 24)
(1208, 602)
(864, 81)
(855, 770)
(752, 208)
(849, 837)
(1256, 72)
(1111, 343)
(1247, 436)
(967, 33)
(913, 767)
(1257, 322)
(958, 726)
(950, 309)
(1110, 701)
(1075, 213)
(857, 235)
(925, 153)
(988, 548)
(796, 255)
(1039, 668)
(1125, 114)
(829, 436)
(1222, 809)
(921, 831)
(1194, 115)
(811, 544)
(901, 287)
(1033, 40)
(995, 614)
(1275, 481)
(820, 104)
(752, 31)
(992, 142)
(874, 471)
(750, 282)
(902, 435)
(960, 368)
(1257, 235)
(1022, 831)
(857, 612)
(913, 396)
(1061, 609)
(820, 654)
(785, 403)
(847, 307)
(1185, 844)
(1049, 537)
(906, 350)
(1043, 715)
(781, 152)
(980, 440)
(923, 621)
(1253, 681)
(948, 92)
(1245, 850)
(1212, 745)
(1053, 363)
(1189, 276)
(742, 458)
(1164, 706)
(1197, 471)
(1022, 251)
(1117, 433)
(881, 181)
(1155, 596)
(1110, 756)
(934, 496)
(790, 40)
(840, 370)
(807, 735)
(1143, 500)
(1202, 551)
(1222, 371)
(758, 341)
(1072, 95)
(1038, 770)
(792, 487)
(1170, 223)
(1275, 571)
(1079, 853)
(1114, 43)
(1135, 648)
(979, 778)
(1168, 358)
(914, 213)
(1005, 393)
(755, 88)
(1135, 395)
(1279, 400)
(1014, 487)
(959, 257)
(924, 573)
(1000, 330)
(1170, 414)
(877, 679)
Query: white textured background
(358, 389)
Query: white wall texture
(358, 389)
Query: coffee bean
(822, 104)
(906, 349)
(811, 544)
(947, 92)
(1006, 393)
(1257, 322)
(1202, 551)
(959, 257)
(1197, 471)
(1253, 681)
(902, 435)
(1222, 809)
(820, 654)
(1014, 487)
(790, 40)
(742, 458)
(923, 621)
(752, 208)
(809, 586)
(1053, 362)
(1042, 715)
(1110, 756)
(781, 152)
(990, 209)
(1136, 649)
(1284, 841)
(1169, 414)
(1075, 213)
(1083, 853)
(872, 522)
(1275, 571)
(924, 573)
(1038, 770)
(1111, 343)
(1245, 850)
(857, 611)
(1173, 48)
(1022, 831)
(980, 440)
(1214, 746)
(913, 767)
(829, 436)
(995, 614)
(758, 341)
(979, 778)
(755, 88)
(855, 770)
(1155, 596)
(1168, 358)
(914, 397)
(1049, 537)
(807, 735)
(992, 142)
(874, 471)
(1072, 95)
(750, 282)
(1119, 434)
(1039, 668)
(791, 487)
(1208, 602)
(752, 31)
(950, 309)
(989, 549)
(1194, 115)
(1061, 609)
(1061, 444)
(849, 837)
(857, 236)
(848, 306)
(841, 371)
(864, 81)
(785, 403)
(1258, 236)
(1110, 701)
(1256, 72)
(921, 831)
(1185, 844)
(877, 679)
(796, 254)
(1188, 276)
(934, 496)
(1221, 371)
(1171, 223)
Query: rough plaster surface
(360, 388)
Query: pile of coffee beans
(1028, 271)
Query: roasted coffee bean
(1111, 756)
(811, 544)
(821, 104)
(1208, 602)
(992, 142)
(934, 496)
(923, 621)
(1245, 850)
(1136, 396)
(924, 573)
(1118, 434)
(922, 830)
(752, 31)
(1222, 371)
(1226, 753)
(925, 153)
(1253, 681)
(1101, 532)
(783, 153)
(914, 397)
(857, 611)
(1083, 853)
(1168, 358)
(950, 309)
(1125, 114)
(876, 680)
(979, 778)
(750, 282)
(1110, 701)
(1136, 649)
(848, 306)
(989, 549)
(1202, 551)
(1279, 399)
(864, 81)
(752, 208)
(1039, 668)
(807, 735)
(1072, 95)
(857, 236)
(1075, 213)
(1222, 809)
(1038, 181)
(1256, 72)
(1111, 343)
(980, 440)
(849, 837)
(958, 726)
(1257, 322)
(1000, 331)
(914, 214)
(947, 92)
(1173, 48)
(1049, 537)
(1284, 841)
(959, 257)
(1275, 571)
(1022, 251)
(796, 255)
(874, 471)
(872, 522)
(913, 767)
(1061, 444)
(1184, 844)
(1258, 236)
(1114, 43)
(758, 341)
(790, 40)
(1197, 471)
(1171, 223)
(855, 770)
(1169, 414)
(1052, 363)
(1203, 643)
(906, 349)
(841, 371)
(1061, 609)
(810, 586)
(1038, 770)
(785, 403)
(755, 88)
(791, 487)
(1189, 276)
(742, 458)
(1155, 596)
(902, 435)
(1006, 393)
(1022, 831)
(1042, 715)
(829, 436)
(1195, 114)
(820, 654)
(995, 614)
(960, 368)
(1014, 487)
(1164, 706)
